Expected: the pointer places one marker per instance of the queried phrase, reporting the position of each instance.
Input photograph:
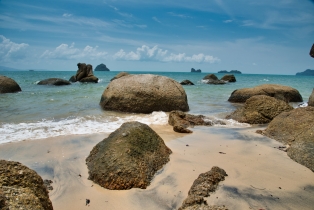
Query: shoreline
(259, 175)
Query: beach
(260, 176)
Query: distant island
(101, 67)
(307, 72)
(230, 72)
(196, 71)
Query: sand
(259, 175)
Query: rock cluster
(259, 109)
(281, 92)
(84, 74)
(212, 79)
(128, 158)
(296, 129)
(8, 85)
(22, 188)
(205, 184)
(54, 81)
(144, 93)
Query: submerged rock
(259, 109)
(296, 129)
(186, 82)
(205, 184)
(144, 93)
(128, 158)
(22, 187)
(121, 74)
(281, 92)
(54, 81)
(8, 85)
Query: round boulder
(186, 82)
(296, 129)
(54, 81)
(311, 99)
(229, 78)
(212, 79)
(128, 158)
(22, 187)
(121, 74)
(90, 79)
(144, 93)
(259, 109)
(281, 92)
(8, 85)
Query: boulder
(229, 78)
(186, 82)
(144, 93)
(181, 121)
(212, 79)
(121, 74)
(128, 158)
(311, 99)
(54, 81)
(259, 109)
(84, 74)
(22, 187)
(8, 85)
(281, 92)
(296, 129)
(205, 184)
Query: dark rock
(281, 92)
(181, 121)
(312, 51)
(205, 184)
(259, 109)
(121, 74)
(128, 158)
(212, 79)
(196, 71)
(186, 82)
(47, 184)
(296, 129)
(8, 85)
(3, 205)
(307, 72)
(54, 81)
(311, 99)
(144, 93)
(23, 187)
(229, 78)
(101, 67)
(84, 74)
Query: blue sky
(253, 36)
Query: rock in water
(212, 79)
(101, 67)
(296, 129)
(22, 187)
(54, 81)
(84, 74)
(205, 184)
(259, 109)
(8, 85)
(186, 82)
(128, 158)
(281, 92)
(144, 93)
(229, 78)
(311, 99)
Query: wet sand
(259, 175)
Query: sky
(252, 36)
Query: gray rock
(229, 78)
(8, 85)
(144, 93)
(54, 81)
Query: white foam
(230, 123)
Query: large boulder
(281, 92)
(205, 184)
(84, 74)
(181, 121)
(259, 109)
(186, 82)
(311, 99)
(22, 187)
(296, 129)
(229, 78)
(54, 81)
(8, 85)
(128, 158)
(212, 79)
(144, 93)
(121, 74)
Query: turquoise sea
(40, 112)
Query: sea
(40, 112)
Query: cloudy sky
(253, 36)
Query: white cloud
(146, 53)
(66, 52)
(10, 51)
(228, 21)
(156, 19)
(179, 15)
(67, 15)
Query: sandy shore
(259, 175)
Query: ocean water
(40, 112)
